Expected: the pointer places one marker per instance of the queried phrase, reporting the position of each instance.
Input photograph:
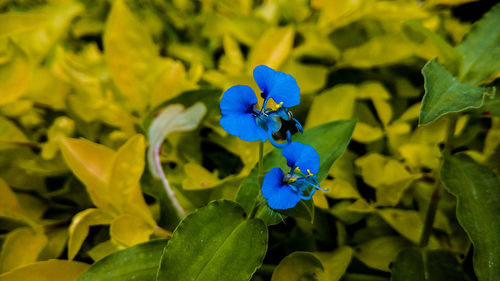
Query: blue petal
(301, 155)
(237, 119)
(243, 125)
(238, 99)
(278, 195)
(277, 85)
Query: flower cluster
(242, 118)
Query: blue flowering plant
(283, 191)
(241, 116)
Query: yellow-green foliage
(81, 82)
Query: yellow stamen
(297, 169)
(276, 106)
(309, 173)
(292, 179)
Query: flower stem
(436, 193)
(260, 176)
(261, 162)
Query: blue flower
(242, 118)
(284, 191)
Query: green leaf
(481, 48)
(299, 266)
(215, 242)
(330, 140)
(421, 265)
(136, 263)
(477, 190)
(444, 94)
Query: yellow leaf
(373, 90)
(247, 153)
(384, 110)
(61, 127)
(361, 206)
(198, 177)
(395, 11)
(21, 246)
(319, 200)
(234, 57)
(32, 206)
(38, 30)
(91, 163)
(406, 222)
(44, 82)
(273, 47)
(388, 176)
(171, 82)
(366, 133)
(10, 133)
(431, 3)
(337, 13)
(52, 270)
(310, 78)
(130, 230)
(340, 189)
(126, 171)
(316, 44)
(103, 249)
(343, 168)
(79, 228)
(57, 241)
(136, 205)
(322, 111)
(405, 89)
(434, 132)
(15, 23)
(15, 73)
(398, 133)
(111, 178)
(335, 263)
(131, 55)
(9, 204)
(411, 113)
(374, 52)
(417, 155)
(127, 166)
(381, 251)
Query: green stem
(260, 175)
(436, 193)
(261, 162)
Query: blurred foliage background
(81, 82)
